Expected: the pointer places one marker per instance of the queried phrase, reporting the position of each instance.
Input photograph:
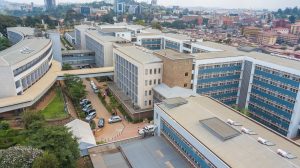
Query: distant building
(251, 32)
(289, 39)
(119, 6)
(281, 30)
(153, 2)
(50, 4)
(189, 18)
(280, 23)
(70, 37)
(267, 38)
(85, 10)
(295, 28)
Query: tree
(156, 25)
(140, 22)
(75, 87)
(4, 125)
(47, 160)
(29, 117)
(66, 67)
(4, 43)
(58, 141)
(19, 156)
(292, 19)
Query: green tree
(4, 43)
(29, 117)
(47, 160)
(140, 22)
(66, 67)
(156, 25)
(58, 141)
(292, 19)
(75, 87)
(4, 125)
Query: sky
(249, 4)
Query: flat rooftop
(153, 152)
(112, 30)
(173, 55)
(177, 36)
(66, 52)
(139, 54)
(240, 150)
(98, 37)
(229, 51)
(25, 31)
(167, 92)
(14, 54)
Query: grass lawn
(55, 109)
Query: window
(185, 85)
(150, 82)
(158, 81)
(155, 71)
(150, 71)
(146, 82)
(158, 70)
(145, 93)
(145, 103)
(150, 92)
(146, 71)
(154, 82)
(186, 74)
(150, 102)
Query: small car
(90, 111)
(114, 119)
(147, 129)
(83, 101)
(87, 107)
(101, 122)
(86, 103)
(90, 116)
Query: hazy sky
(269, 4)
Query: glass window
(150, 92)
(146, 82)
(146, 71)
(155, 71)
(186, 74)
(145, 93)
(150, 82)
(150, 102)
(158, 81)
(150, 71)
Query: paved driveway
(110, 132)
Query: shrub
(92, 124)
(4, 125)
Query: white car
(114, 119)
(147, 129)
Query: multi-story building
(151, 41)
(289, 39)
(50, 4)
(281, 30)
(80, 35)
(295, 28)
(280, 23)
(70, 37)
(266, 85)
(103, 47)
(177, 42)
(251, 32)
(267, 38)
(136, 73)
(179, 65)
(24, 63)
(209, 134)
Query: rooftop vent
(247, 131)
(285, 154)
(265, 142)
(26, 50)
(234, 123)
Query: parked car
(86, 103)
(147, 129)
(90, 116)
(87, 107)
(101, 122)
(90, 111)
(114, 119)
(83, 101)
(96, 90)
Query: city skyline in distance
(230, 4)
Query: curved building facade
(24, 63)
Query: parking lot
(110, 132)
